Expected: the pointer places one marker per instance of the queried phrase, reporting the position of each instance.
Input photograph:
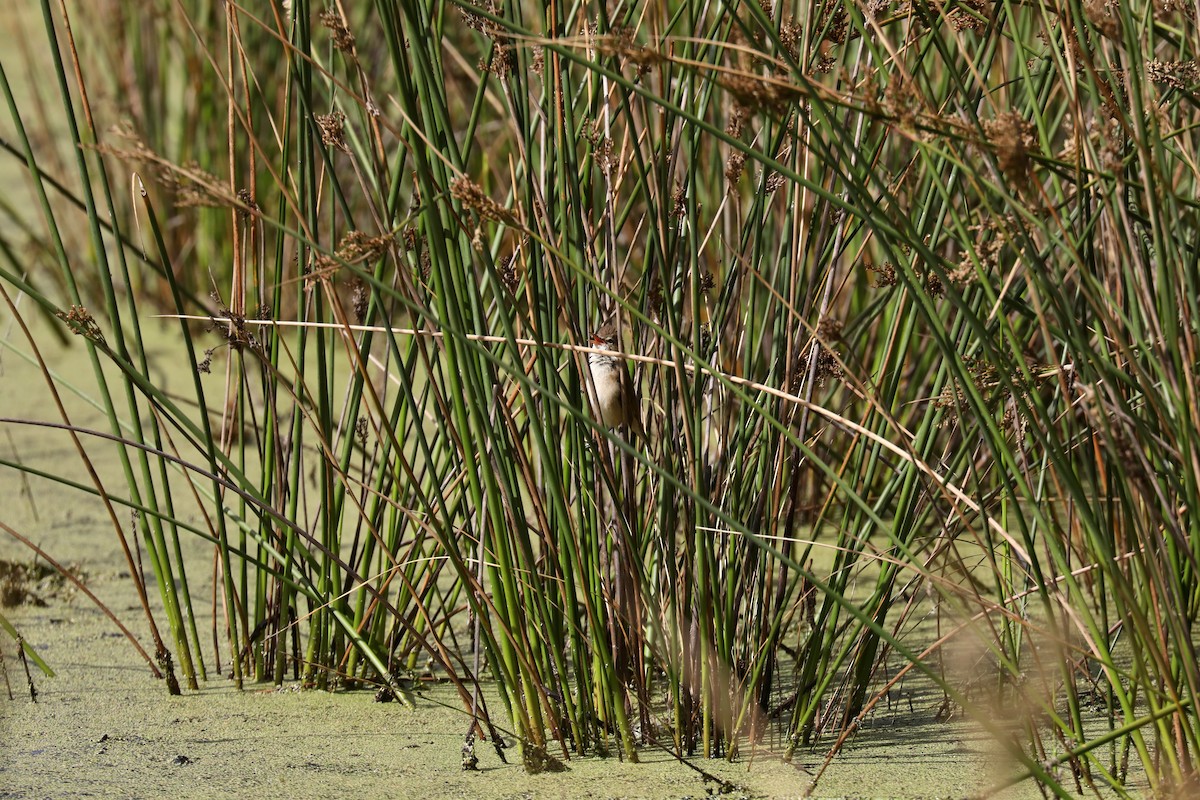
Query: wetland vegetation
(907, 296)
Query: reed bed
(908, 291)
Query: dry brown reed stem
(951, 489)
(237, 291)
(80, 86)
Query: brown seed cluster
(984, 376)
(902, 101)
(323, 268)
(762, 94)
(504, 61)
(830, 329)
(622, 42)
(235, 331)
(333, 129)
(989, 244)
(734, 165)
(343, 39)
(885, 274)
(654, 298)
(678, 202)
(482, 24)
(472, 197)
(775, 181)
(827, 367)
(360, 300)
(248, 207)
(603, 155)
(737, 119)
(507, 270)
(1101, 13)
(411, 238)
(876, 8)
(826, 57)
(736, 162)
(1109, 138)
(357, 246)
(968, 15)
(835, 29)
(932, 283)
(81, 323)
(791, 34)
(1165, 8)
(205, 365)
(504, 56)
(1181, 75)
(1012, 138)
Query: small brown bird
(615, 395)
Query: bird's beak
(597, 341)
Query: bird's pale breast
(607, 378)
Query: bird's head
(605, 338)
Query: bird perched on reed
(617, 400)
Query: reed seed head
(1181, 75)
(343, 39)
(1012, 138)
(81, 323)
(333, 130)
(472, 197)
